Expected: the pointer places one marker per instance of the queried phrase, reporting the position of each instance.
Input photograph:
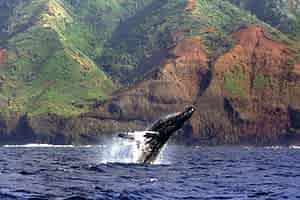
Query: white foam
(283, 147)
(294, 147)
(153, 179)
(274, 147)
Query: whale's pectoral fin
(151, 135)
(145, 137)
(125, 136)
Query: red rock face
(296, 69)
(257, 63)
(186, 68)
(190, 5)
(256, 52)
(253, 78)
(3, 56)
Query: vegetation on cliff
(282, 14)
(122, 63)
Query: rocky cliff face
(251, 82)
(246, 96)
(3, 56)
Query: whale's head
(173, 122)
(189, 111)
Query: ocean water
(67, 172)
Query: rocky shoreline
(52, 129)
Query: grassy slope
(50, 54)
(96, 20)
(45, 72)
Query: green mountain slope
(282, 14)
(58, 51)
(241, 73)
(51, 46)
(120, 63)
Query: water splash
(122, 150)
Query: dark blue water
(184, 173)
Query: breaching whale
(151, 141)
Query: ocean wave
(294, 147)
(45, 146)
(275, 147)
(283, 147)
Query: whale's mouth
(190, 110)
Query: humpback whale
(151, 141)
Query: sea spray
(122, 150)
